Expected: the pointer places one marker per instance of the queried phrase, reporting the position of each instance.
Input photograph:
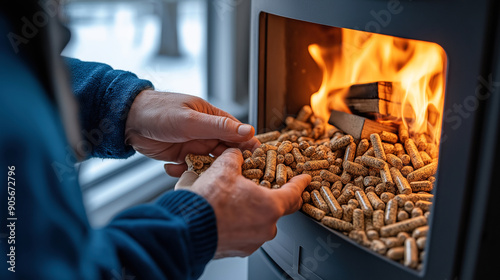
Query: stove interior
(376, 102)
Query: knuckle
(223, 122)
(230, 159)
(192, 101)
(225, 177)
(190, 116)
(227, 164)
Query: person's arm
(167, 126)
(50, 237)
(172, 238)
(224, 214)
(121, 113)
(105, 96)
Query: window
(133, 36)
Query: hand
(168, 126)
(246, 213)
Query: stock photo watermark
(382, 18)
(320, 254)
(11, 219)
(91, 139)
(455, 115)
(222, 7)
(123, 275)
(31, 25)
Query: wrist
(133, 121)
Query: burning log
(376, 90)
(376, 99)
(356, 126)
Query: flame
(416, 67)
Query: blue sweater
(46, 234)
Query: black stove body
(463, 218)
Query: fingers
(229, 162)
(219, 149)
(186, 180)
(224, 128)
(175, 170)
(251, 144)
(216, 111)
(290, 194)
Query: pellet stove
(284, 74)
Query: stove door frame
(468, 43)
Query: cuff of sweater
(121, 94)
(200, 219)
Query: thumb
(289, 196)
(223, 128)
(229, 162)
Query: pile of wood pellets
(377, 191)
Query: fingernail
(244, 129)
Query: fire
(417, 68)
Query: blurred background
(197, 47)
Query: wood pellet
(331, 202)
(377, 190)
(312, 211)
(318, 201)
(378, 148)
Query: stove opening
(388, 79)
(376, 102)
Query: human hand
(168, 126)
(246, 213)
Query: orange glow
(416, 69)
